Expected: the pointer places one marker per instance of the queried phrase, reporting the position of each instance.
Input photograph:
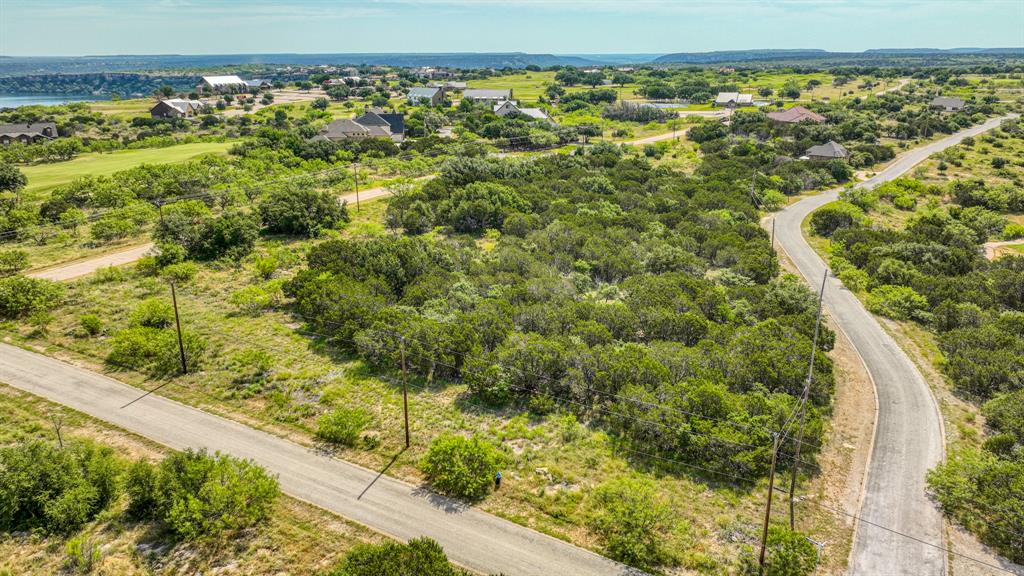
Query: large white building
(230, 83)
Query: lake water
(15, 100)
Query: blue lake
(15, 100)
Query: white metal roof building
(231, 82)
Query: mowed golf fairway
(42, 177)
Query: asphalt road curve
(908, 437)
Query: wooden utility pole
(355, 179)
(405, 393)
(177, 322)
(768, 506)
(803, 409)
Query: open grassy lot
(123, 109)
(529, 86)
(556, 461)
(297, 539)
(978, 160)
(43, 177)
(776, 81)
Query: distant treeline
(121, 84)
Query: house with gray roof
(345, 129)
(373, 124)
(507, 107)
(425, 96)
(795, 115)
(29, 133)
(482, 95)
(176, 108)
(830, 150)
(733, 99)
(947, 104)
(392, 122)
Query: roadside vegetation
(607, 326)
(913, 251)
(84, 497)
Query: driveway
(908, 437)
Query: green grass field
(124, 109)
(529, 86)
(43, 177)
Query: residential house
(426, 96)
(392, 122)
(348, 129)
(795, 115)
(259, 84)
(223, 84)
(947, 104)
(507, 107)
(733, 99)
(450, 85)
(482, 95)
(176, 108)
(30, 133)
(830, 150)
(432, 73)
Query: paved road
(908, 434)
(992, 248)
(79, 268)
(474, 539)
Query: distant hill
(25, 65)
(875, 56)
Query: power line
(745, 479)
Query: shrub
(195, 494)
(21, 296)
(265, 266)
(180, 272)
(155, 350)
(1012, 231)
(631, 521)
(788, 553)
(56, 490)
(232, 235)
(153, 313)
(301, 210)
(83, 555)
(343, 426)
(854, 279)
(461, 466)
(985, 494)
(421, 556)
(251, 300)
(897, 302)
(831, 217)
(12, 262)
(91, 324)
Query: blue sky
(79, 27)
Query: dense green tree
(300, 210)
(196, 494)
